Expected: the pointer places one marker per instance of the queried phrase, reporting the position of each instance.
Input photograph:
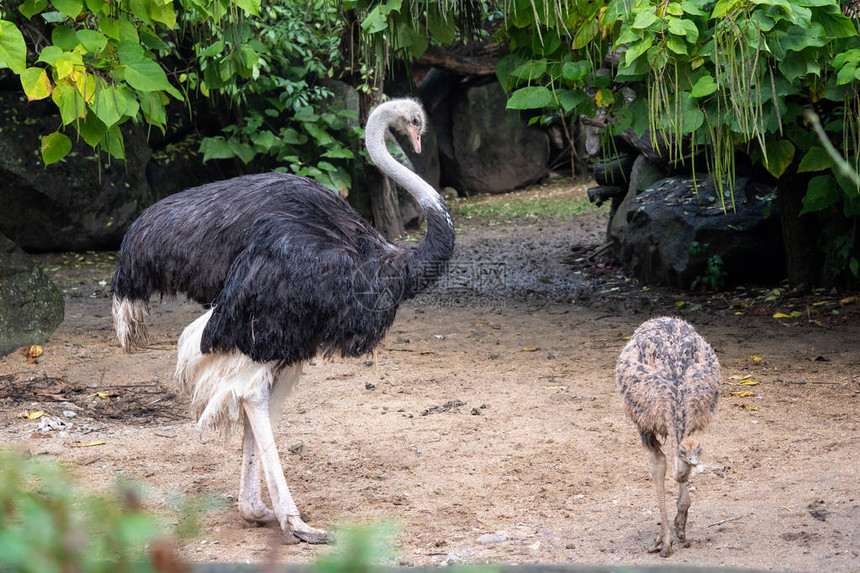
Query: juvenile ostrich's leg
(682, 476)
(681, 516)
(257, 412)
(657, 465)
(251, 505)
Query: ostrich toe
(306, 533)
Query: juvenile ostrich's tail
(129, 322)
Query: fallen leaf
(748, 382)
(31, 415)
(680, 303)
(32, 351)
(821, 303)
(781, 315)
(746, 406)
(755, 359)
(530, 348)
(80, 445)
(102, 395)
(847, 300)
(742, 394)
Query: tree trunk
(802, 260)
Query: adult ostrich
(291, 270)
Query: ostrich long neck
(438, 245)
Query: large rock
(494, 149)
(643, 174)
(31, 306)
(672, 232)
(82, 202)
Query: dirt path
(491, 408)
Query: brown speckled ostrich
(669, 380)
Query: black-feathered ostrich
(291, 270)
(669, 380)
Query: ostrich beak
(415, 138)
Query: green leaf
(644, 19)
(91, 129)
(265, 140)
(816, 159)
(13, 49)
(36, 83)
(375, 21)
(32, 7)
(292, 137)
(49, 55)
(326, 166)
(530, 70)
(306, 114)
(339, 153)
(821, 192)
(249, 6)
(532, 97)
(441, 29)
(112, 142)
(64, 38)
(677, 45)
(216, 148)
(69, 102)
(164, 13)
(148, 76)
(705, 86)
(70, 8)
(682, 27)
(575, 71)
(93, 41)
(242, 150)
(780, 153)
(54, 147)
(110, 106)
(152, 106)
(636, 49)
(571, 99)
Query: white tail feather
(218, 382)
(129, 322)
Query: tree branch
(483, 65)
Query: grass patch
(556, 200)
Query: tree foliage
(713, 78)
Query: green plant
(360, 548)
(714, 276)
(101, 62)
(49, 523)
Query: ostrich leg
(681, 516)
(657, 465)
(251, 505)
(257, 412)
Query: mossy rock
(31, 305)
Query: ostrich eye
(415, 121)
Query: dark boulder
(31, 306)
(82, 202)
(674, 228)
(493, 148)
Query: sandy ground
(490, 409)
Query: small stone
(369, 386)
(498, 537)
(69, 414)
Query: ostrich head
(406, 116)
(689, 451)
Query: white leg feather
(229, 388)
(129, 322)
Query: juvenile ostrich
(291, 270)
(669, 380)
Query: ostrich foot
(257, 514)
(662, 546)
(301, 531)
